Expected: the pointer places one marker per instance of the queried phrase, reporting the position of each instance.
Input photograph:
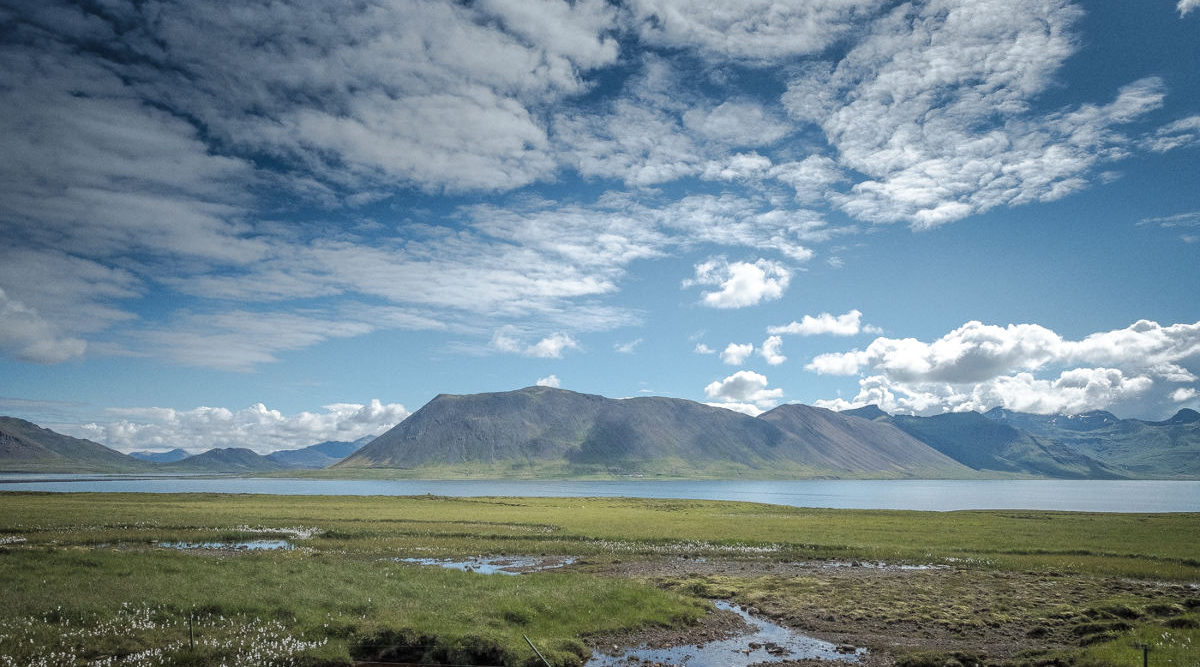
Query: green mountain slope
(26, 447)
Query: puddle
(496, 565)
(876, 565)
(768, 643)
(249, 545)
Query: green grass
(75, 566)
(334, 607)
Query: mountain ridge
(551, 432)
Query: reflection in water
(768, 642)
(495, 565)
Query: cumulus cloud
(736, 353)
(701, 348)
(1023, 367)
(508, 339)
(549, 381)
(1184, 394)
(257, 427)
(744, 391)
(847, 324)
(1186, 6)
(772, 351)
(741, 283)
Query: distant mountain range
(547, 432)
(26, 447)
(161, 457)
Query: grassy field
(85, 581)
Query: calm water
(938, 495)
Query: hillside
(228, 460)
(26, 447)
(540, 429)
(170, 456)
(858, 444)
(987, 445)
(320, 455)
(1163, 449)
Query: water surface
(936, 495)
(768, 642)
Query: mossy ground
(84, 581)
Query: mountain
(986, 444)
(161, 457)
(27, 447)
(858, 444)
(229, 460)
(542, 429)
(320, 455)
(871, 412)
(1163, 449)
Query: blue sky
(270, 224)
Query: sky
(269, 224)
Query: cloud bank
(257, 427)
(1146, 368)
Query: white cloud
(239, 340)
(628, 347)
(933, 106)
(437, 94)
(1186, 6)
(749, 30)
(811, 177)
(772, 351)
(508, 339)
(701, 348)
(1176, 134)
(549, 381)
(28, 337)
(1188, 219)
(256, 427)
(742, 283)
(977, 367)
(739, 123)
(847, 324)
(736, 353)
(1184, 394)
(552, 346)
(744, 391)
